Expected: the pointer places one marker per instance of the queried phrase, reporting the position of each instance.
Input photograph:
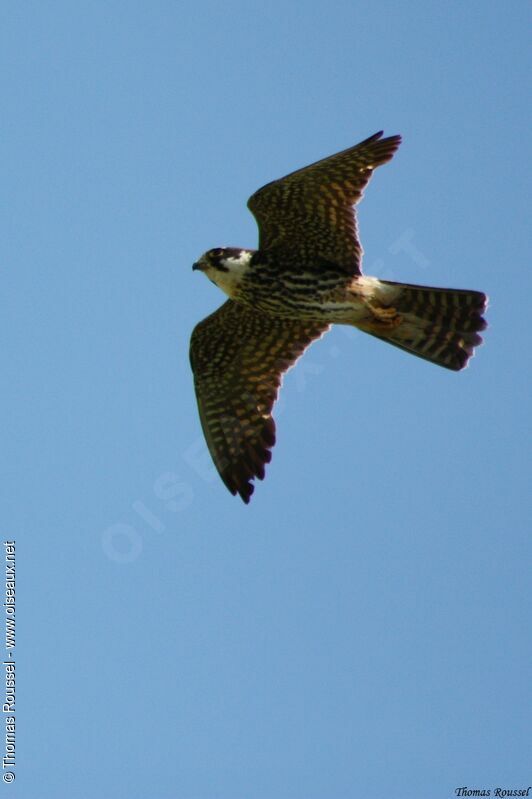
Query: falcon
(305, 276)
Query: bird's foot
(384, 319)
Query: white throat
(237, 268)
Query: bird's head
(225, 266)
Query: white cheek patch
(237, 265)
(228, 281)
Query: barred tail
(439, 325)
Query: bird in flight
(305, 276)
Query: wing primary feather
(238, 357)
(308, 214)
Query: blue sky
(362, 628)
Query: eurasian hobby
(305, 276)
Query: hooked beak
(199, 265)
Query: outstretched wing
(238, 357)
(309, 215)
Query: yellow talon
(384, 318)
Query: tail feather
(439, 325)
